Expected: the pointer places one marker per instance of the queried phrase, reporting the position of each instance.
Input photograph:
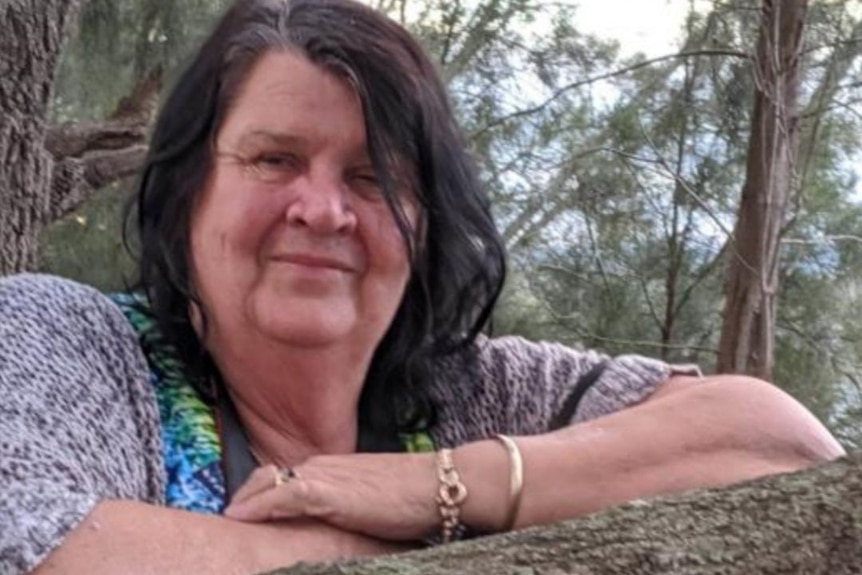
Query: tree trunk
(808, 522)
(747, 336)
(48, 171)
(33, 35)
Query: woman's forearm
(687, 434)
(715, 433)
(138, 539)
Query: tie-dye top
(191, 448)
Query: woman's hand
(390, 496)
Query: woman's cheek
(255, 220)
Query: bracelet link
(451, 495)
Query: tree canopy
(617, 181)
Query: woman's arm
(714, 432)
(718, 431)
(81, 475)
(137, 539)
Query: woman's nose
(322, 205)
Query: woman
(304, 351)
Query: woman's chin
(304, 329)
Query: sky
(648, 26)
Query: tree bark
(48, 171)
(747, 335)
(33, 35)
(808, 522)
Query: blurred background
(614, 139)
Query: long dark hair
(458, 265)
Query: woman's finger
(260, 480)
(275, 502)
(383, 495)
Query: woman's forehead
(288, 77)
(286, 98)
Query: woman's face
(292, 239)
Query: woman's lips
(314, 261)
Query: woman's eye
(367, 184)
(370, 179)
(275, 166)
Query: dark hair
(457, 269)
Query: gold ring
(283, 475)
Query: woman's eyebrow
(266, 136)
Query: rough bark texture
(809, 522)
(747, 336)
(33, 34)
(46, 172)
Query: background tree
(115, 46)
(28, 58)
(617, 181)
(748, 332)
(48, 171)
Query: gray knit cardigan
(79, 421)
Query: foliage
(615, 196)
(88, 245)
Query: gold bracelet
(452, 494)
(516, 479)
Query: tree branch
(75, 140)
(91, 155)
(126, 126)
(807, 522)
(614, 73)
(75, 179)
(823, 240)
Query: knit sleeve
(512, 385)
(78, 418)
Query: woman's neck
(293, 403)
